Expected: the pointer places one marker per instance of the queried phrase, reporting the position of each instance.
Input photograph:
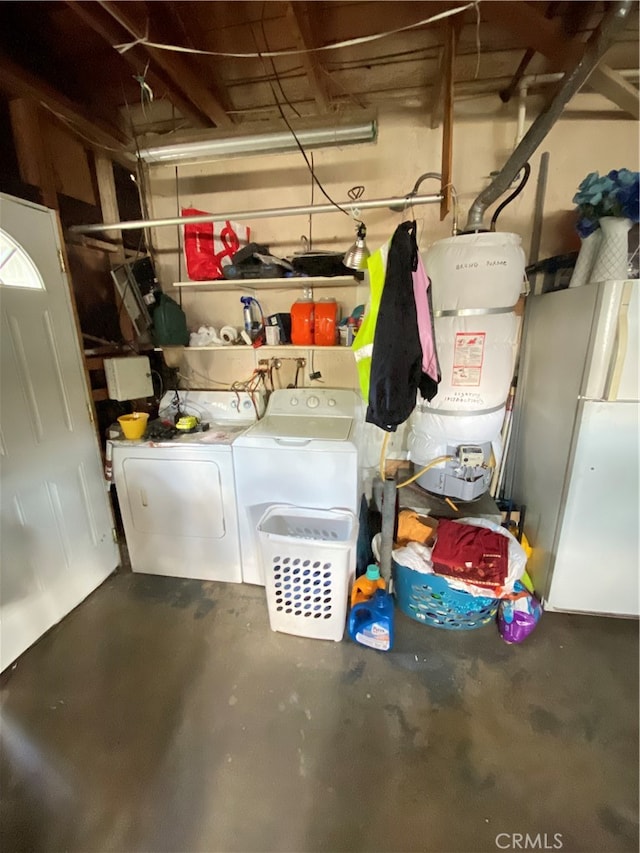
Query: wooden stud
(111, 213)
(108, 197)
(447, 122)
(34, 159)
(436, 101)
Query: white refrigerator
(574, 457)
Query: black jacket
(396, 362)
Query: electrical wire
(144, 40)
(273, 65)
(161, 392)
(527, 171)
(293, 133)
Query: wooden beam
(108, 197)
(447, 122)
(111, 213)
(33, 155)
(297, 16)
(21, 83)
(168, 20)
(103, 24)
(613, 86)
(507, 93)
(174, 65)
(547, 38)
(542, 34)
(435, 103)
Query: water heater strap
(471, 312)
(456, 413)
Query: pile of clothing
(475, 555)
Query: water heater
(476, 280)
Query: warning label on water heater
(468, 356)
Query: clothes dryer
(177, 497)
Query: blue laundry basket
(431, 600)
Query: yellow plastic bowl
(133, 426)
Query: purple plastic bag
(517, 617)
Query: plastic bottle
(371, 622)
(302, 320)
(251, 325)
(365, 586)
(326, 322)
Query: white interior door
(57, 542)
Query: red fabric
(471, 553)
(207, 243)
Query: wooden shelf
(222, 285)
(246, 348)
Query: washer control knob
(313, 402)
(294, 401)
(247, 404)
(331, 402)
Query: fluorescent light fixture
(267, 143)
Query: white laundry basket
(309, 561)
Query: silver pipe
(267, 213)
(572, 81)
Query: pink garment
(421, 285)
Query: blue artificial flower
(614, 194)
(627, 200)
(586, 226)
(623, 177)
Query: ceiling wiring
(144, 40)
(293, 133)
(273, 65)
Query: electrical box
(128, 378)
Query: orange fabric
(414, 528)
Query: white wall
(406, 147)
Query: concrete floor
(164, 715)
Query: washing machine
(303, 452)
(177, 497)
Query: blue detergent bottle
(371, 622)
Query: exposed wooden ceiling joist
(22, 83)
(174, 65)
(547, 37)
(103, 24)
(544, 35)
(613, 86)
(175, 26)
(298, 18)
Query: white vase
(586, 259)
(612, 260)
